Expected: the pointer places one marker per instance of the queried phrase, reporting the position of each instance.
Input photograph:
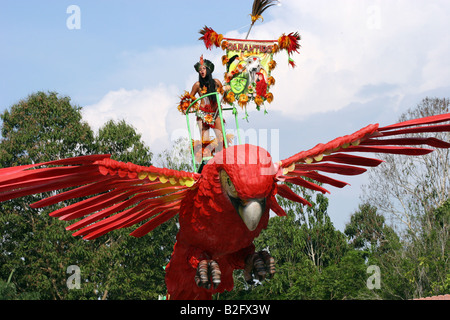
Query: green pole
(221, 121)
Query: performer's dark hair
(209, 83)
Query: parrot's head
(245, 175)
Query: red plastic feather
(289, 42)
(119, 194)
(372, 138)
(210, 37)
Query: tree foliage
(313, 259)
(37, 247)
(123, 143)
(406, 188)
(413, 194)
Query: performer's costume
(208, 111)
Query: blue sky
(361, 62)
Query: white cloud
(145, 109)
(352, 53)
(348, 46)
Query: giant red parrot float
(221, 211)
(225, 207)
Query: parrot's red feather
(368, 139)
(307, 184)
(277, 208)
(119, 194)
(332, 168)
(418, 122)
(409, 151)
(319, 178)
(422, 129)
(353, 160)
(432, 142)
(153, 223)
(286, 192)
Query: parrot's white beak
(251, 212)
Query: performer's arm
(195, 89)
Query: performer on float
(208, 113)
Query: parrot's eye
(227, 184)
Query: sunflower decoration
(209, 118)
(270, 81)
(225, 59)
(272, 64)
(185, 101)
(243, 99)
(229, 97)
(259, 100)
(224, 44)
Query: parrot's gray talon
(259, 264)
(208, 272)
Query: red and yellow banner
(249, 64)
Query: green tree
(8, 291)
(313, 259)
(116, 266)
(123, 142)
(368, 231)
(413, 192)
(41, 128)
(405, 188)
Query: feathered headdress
(204, 62)
(210, 37)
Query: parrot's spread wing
(335, 156)
(118, 194)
